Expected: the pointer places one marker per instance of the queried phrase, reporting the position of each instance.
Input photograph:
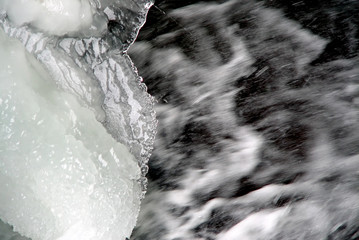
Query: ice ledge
(105, 80)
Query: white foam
(256, 226)
(62, 175)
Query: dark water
(258, 107)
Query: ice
(55, 16)
(79, 17)
(76, 123)
(98, 71)
(63, 176)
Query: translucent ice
(62, 175)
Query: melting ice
(56, 17)
(64, 175)
(58, 163)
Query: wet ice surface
(55, 17)
(258, 120)
(68, 128)
(59, 164)
(79, 17)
